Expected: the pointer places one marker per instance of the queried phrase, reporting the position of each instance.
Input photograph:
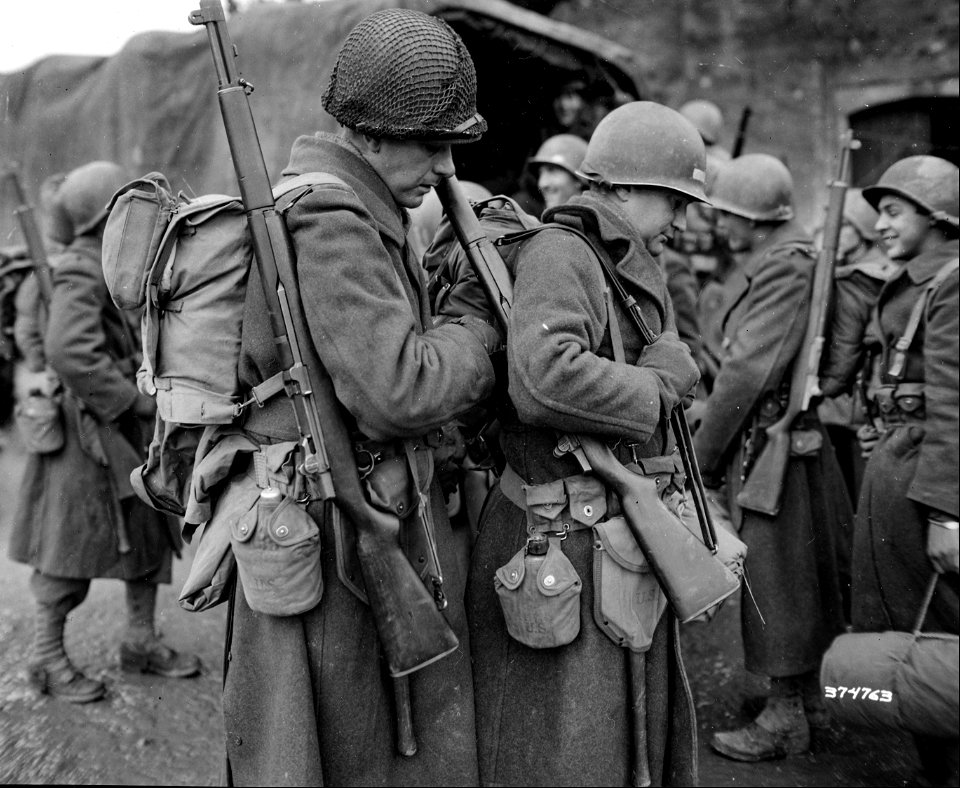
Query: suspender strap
(898, 363)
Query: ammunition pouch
(627, 599)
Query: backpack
(185, 262)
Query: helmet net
(406, 75)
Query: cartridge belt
(578, 502)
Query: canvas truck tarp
(153, 105)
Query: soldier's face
(556, 185)
(903, 229)
(410, 168)
(656, 214)
(735, 231)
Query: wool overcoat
(562, 716)
(73, 504)
(915, 466)
(306, 699)
(795, 560)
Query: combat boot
(780, 730)
(154, 656)
(60, 679)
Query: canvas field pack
(185, 262)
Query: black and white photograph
(480, 393)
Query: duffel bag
(909, 681)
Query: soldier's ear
(622, 192)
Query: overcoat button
(549, 580)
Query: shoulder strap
(305, 181)
(896, 368)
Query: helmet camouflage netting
(405, 75)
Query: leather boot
(779, 731)
(60, 679)
(154, 656)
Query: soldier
(77, 517)
(708, 118)
(862, 268)
(306, 699)
(792, 558)
(555, 167)
(907, 516)
(555, 708)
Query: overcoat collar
(740, 278)
(924, 267)
(632, 262)
(324, 152)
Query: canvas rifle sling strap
(898, 363)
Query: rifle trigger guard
(366, 461)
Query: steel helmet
(707, 118)
(404, 74)
(927, 181)
(859, 213)
(756, 186)
(86, 192)
(57, 225)
(562, 150)
(647, 144)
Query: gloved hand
(868, 436)
(670, 360)
(491, 337)
(943, 541)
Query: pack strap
(897, 365)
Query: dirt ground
(154, 731)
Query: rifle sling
(898, 364)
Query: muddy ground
(153, 731)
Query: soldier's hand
(868, 436)
(670, 360)
(943, 542)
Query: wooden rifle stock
(763, 489)
(412, 631)
(31, 234)
(691, 576)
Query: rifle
(412, 631)
(31, 234)
(741, 132)
(764, 487)
(687, 568)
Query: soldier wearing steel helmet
(552, 710)
(306, 699)
(794, 559)
(77, 517)
(555, 166)
(708, 118)
(862, 268)
(906, 525)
